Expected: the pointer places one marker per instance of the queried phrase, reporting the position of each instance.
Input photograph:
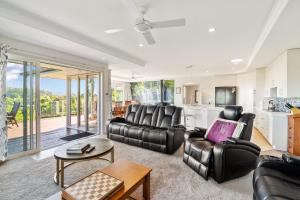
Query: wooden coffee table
(133, 175)
(103, 147)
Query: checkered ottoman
(97, 186)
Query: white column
(106, 98)
(3, 127)
(86, 103)
(68, 103)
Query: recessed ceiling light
(206, 71)
(212, 29)
(111, 31)
(237, 60)
(141, 45)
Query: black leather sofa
(152, 127)
(277, 178)
(226, 160)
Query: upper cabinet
(282, 75)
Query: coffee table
(133, 175)
(103, 147)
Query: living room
(192, 99)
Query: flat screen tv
(225, 96)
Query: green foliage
(117, 95)
(150, 91)
(51, 105)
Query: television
(225, 96)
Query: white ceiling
(253, 30)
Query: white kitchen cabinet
(274, 127)
(200, 116)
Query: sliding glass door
(22, 83)
(83, 102)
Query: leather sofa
(148, 126)
(225, 160)
(277, 178)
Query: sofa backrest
(133, 113)
(154, 116)
(149, 115)
(231, 113)
(168, 116)
(236, 113)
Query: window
(168, 91)
(117, 94)
(153, 92)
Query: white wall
(293, 73)
(259, 87)
(206, 86)
(246, 83)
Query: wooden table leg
(146, 187)
(57, 171)
(112, 155)
(62, 173)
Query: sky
(56, 86)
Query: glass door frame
(86, 101)
(34, 104)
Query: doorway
(83, 102)
(22, 81)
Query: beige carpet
(29, 179)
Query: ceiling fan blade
(149, 37)
(168, 23)
(113, 30)
(132, 8)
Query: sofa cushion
(134, 132)
(155, 136)
(117, 128)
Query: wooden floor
(260, 140)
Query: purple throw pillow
(220, 130)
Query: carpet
(29, 179)
(76, 136)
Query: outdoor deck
(52, 130)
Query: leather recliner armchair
(152, 127)
(277, 178)
(226, 160)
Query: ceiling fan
(145, 26)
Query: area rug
(29, 179)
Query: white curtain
(3, 127)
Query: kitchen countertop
(276, 113)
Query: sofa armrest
(278, 164)
(175, 138)
(242, 142)
(197, 132)
(290, 159)
(232, 160)
(117, 119)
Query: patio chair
(11, 116)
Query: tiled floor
(48, 140)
